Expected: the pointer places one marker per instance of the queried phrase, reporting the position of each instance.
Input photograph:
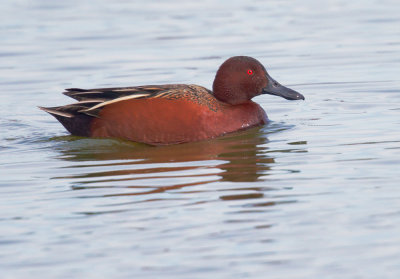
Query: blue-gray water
(314, 194)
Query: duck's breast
(239, 117)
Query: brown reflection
(246, 161)
(239, 157)
(242, 144)
(242, 196)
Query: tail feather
(76, 123)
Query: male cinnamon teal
(174, 113)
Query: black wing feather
(107, 94)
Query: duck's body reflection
(239, 157)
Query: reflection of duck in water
(238, 157)
(177, 113)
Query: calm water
(314, 194)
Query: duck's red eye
(249, 72)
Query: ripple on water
(314, 194)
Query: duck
(174, 113)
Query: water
(314, 194)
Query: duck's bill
(274, 88)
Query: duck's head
(240, 78)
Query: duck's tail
(72, 118)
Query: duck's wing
(77, 117)
(109, 94)
(91, 101)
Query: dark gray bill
(274, 88)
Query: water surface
(313, 194)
